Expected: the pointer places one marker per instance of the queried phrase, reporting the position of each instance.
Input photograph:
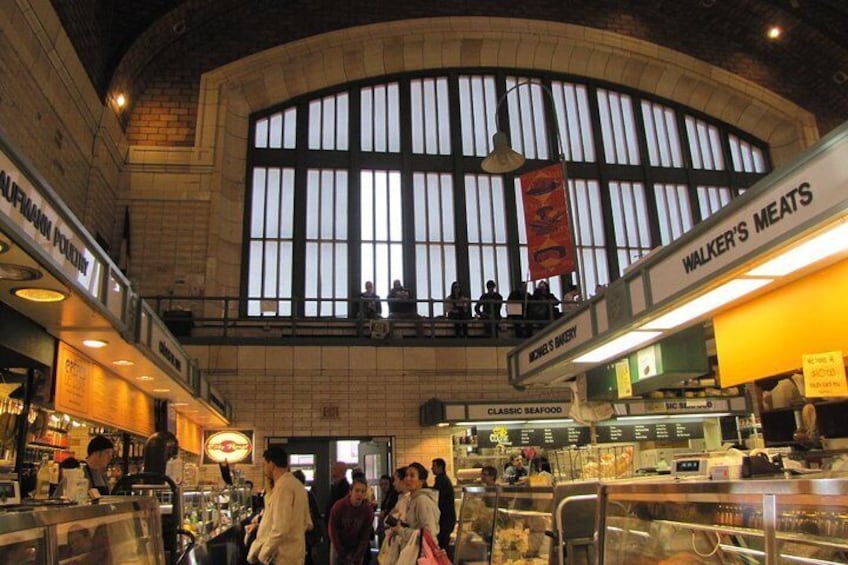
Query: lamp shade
(503, 158)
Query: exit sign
(330, 412)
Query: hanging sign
(549, 243)
(622, 379)
(824, 375)
(230, 446)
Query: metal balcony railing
(229, 318)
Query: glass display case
(522, 516)
(125, 531)
(725, 522)
(476, 525)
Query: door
(374, 459)
(312, 456)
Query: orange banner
(550, 248)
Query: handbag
(432, 553)
(411, 550)
(389, 550)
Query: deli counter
(123, 530)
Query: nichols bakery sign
(228, 446)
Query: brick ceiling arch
(154, 49)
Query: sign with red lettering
(549, 242)
(230, 446)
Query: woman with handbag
(421, 514)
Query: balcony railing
(217, 319)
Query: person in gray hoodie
(423, 510)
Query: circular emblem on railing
(229, 446)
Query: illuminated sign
(229, 446)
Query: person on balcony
(458, 307)
(488, 308)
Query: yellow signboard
(824, 375)
(87, 390)
(622, 377)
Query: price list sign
(610, 433)
(553, 436)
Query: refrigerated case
(125, 531)
(744, 522)
(505, 525)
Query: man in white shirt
(280, 538)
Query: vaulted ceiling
(133, 41)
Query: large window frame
(648, 193)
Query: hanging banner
(549, 243)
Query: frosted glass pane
(487, 230)
(396, 261)
(290, 130)
(383, 274)
(341, 271)
(272, 204)
(381, 207)
(395, 213)
(269, 283)
(260, 138)
(380, 119)
(341, 205)
(315, 124)
(444, 114)
(313, 203)
(254, 275)
(420, 201)
(366, 261)
(285, 281)
(276, 131)
(519, 213)
(366, 119)
(329, 126)
(417, 111)
(434, 231)
(499, 209)
(257, 208)
(431, 141)
(287, 204)
(447, 208)
(367, 206)
(342, 122)
(466, 116)
(472, 207)
(327, 204)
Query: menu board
(87, 390)
(564, 435)
(544, 436)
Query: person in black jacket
(315, 536)
(447, 508)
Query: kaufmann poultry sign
(33, 216)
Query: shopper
(280, 536)
(369, 303)
(517, 310)
(339, 489)
(458, 308)
(100, 453)
(422, 512)
(447, 502)
(488, 308)
(351, 522)
(314, 535)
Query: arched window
(381, 180)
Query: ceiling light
(40, 294)
(120, 100)
(95, 343)
(697, 307)
(144, 378)
(619, 345)
(161, 390)
(10, 272)
(774, 32)
(4, 247)
(827, 243)
(179, 404)
(123, 363)
(443, 424)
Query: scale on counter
(719, 465)
(10, 490)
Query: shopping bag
(411, 550)
(390, 550)
(432, 553)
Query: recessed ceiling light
(10, 272)
(95, 343)
(144, 378)
(40, 294)
(123, 363)
(161, 390)
(774, 32)
(179, 404)
(120, 100)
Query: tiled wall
(280, 391)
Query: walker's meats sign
(229, 446)
(550, 248)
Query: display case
(476, 525)
(522, 516)
(125, 530)
(725, 522)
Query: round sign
(229, 446)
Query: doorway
(315, 455)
